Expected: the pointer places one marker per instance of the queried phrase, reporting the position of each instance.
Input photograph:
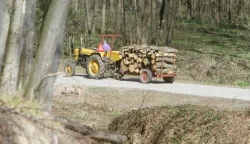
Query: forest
(36, 36)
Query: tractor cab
(107, 40)
(106, 46)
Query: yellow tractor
(99, 63)
(96, 61)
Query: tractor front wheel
(145, 76)
(69, 69)
(95, 67)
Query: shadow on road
(125, 79)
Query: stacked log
(158, 59)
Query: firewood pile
(158, 59)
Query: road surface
(178, 88)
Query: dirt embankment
(212, 69)
(183, 124)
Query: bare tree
(94, 18)
(29, 47)
(14, 46)
(145, 20)
(40, 86)
(4, 28)
(103, 16)
(2, 6)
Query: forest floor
(212, 55)
(207, 55)
(97, 106)
(143, 115)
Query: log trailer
(145, 62)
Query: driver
(106, 46)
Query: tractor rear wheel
(168, 79)
(95, 67)
(145, 76)
(69, 69)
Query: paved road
(179, 88)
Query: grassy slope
(183, 124)
(213, 55)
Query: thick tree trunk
(13, 50)
(94, 17)
(2, 6)
(139, 11)
(88, 23)
(88, 16)
(4, 29)
(172, 17)
(103, 16)
(118, 16)
(144, 25)
(112, 3)
(40, 85)
(29, 34)
(153, 18)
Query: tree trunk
(153, 19)
(2, 6)
(172, 17)
(103, 16)
(145, 22)
(88, 23)
(94, 17)
(4, 29)
(13, 49)
(28, 51)
(40, 85)
(118, 16)
(162, 11)
(112, 11)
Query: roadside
(98, 106)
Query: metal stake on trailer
(113, 39)
(160, 75)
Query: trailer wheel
(145, 76)
(168, 79)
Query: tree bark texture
(144, 25)
(28, 50)
(39, 86)
(4, 29)
(103, 16)
(14, 46)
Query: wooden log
(165, 59)
(124, 67)
(153, 62)
(139, 65)
(135, 56)
(146, 61)
(165, 71)
(132, 61)
(139, 60)
(135, 64)
(153, 56)
(126, 62)
(137, 70)
(131, 68)
(164, 65)
(87, 131)
(153, 67)
(165, 55)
